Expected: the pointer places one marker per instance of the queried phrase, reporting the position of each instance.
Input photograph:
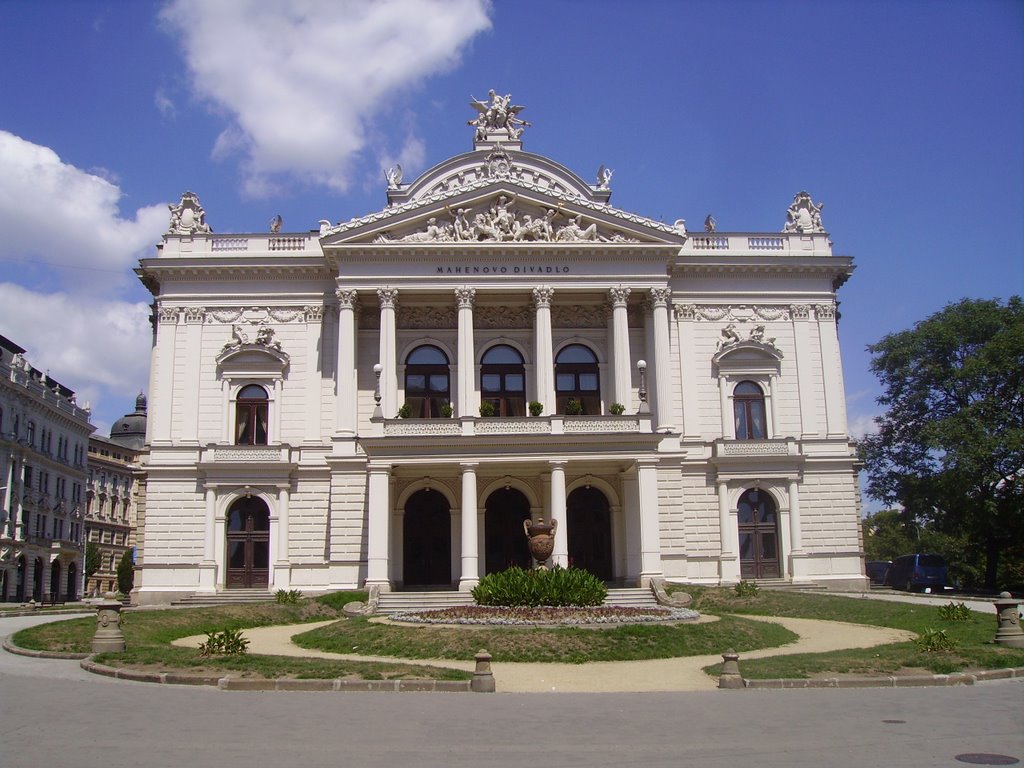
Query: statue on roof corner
(188, 216)
(497, 114)
(804, 215)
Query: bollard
(483, 678)
(1008, 621)
(730, 677)
(108, 637)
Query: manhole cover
(984, 758)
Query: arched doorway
(427, 541)
(55, 570)
(72, 590)
(590, 532)
(505, 542)
(248, 540)
(4, 579)
(759, 536)
(20, 580)
(37, 580)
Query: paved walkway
(679, 674)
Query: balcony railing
(534, 425)
(783, 244)
(756, 448)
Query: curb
(279, 684)
(19, 651)
(43, 612)
(908, 681)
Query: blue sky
(905, 118)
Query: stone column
(556, 508)
(728, 418)
(796, 543)
(831, 370)
(662, 360)
(728, 559)
(467, 353)
(650, 529)
(388, 352)
(313, 316)
(208, 567)
(543, 348)
(8, 527)
(470, 561)
(160, 411)
(192, 373)
(282, 563)
(620, 348)
(805, 377)
(378, 525)
(346, 392)
(685, 316)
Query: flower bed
(567, 616)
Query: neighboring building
(496, 280)
(112, 494)
(43, 440)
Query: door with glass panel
(503, 381)
(248, 543)
(759, 536)
(427, 382)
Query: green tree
(92, 559)
(950, 447)
(125, 573)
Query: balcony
(745, 448)
(534, 425)
(782, 244)
(246, 454)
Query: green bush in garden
(516, 587)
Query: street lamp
(377, 368)
(641, 366)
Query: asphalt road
(53, 714)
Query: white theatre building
(385, 400)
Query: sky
(905, 118)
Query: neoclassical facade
(44, 433)
(385, 400)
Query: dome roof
(130, 429)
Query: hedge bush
(555, 587)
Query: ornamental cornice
(166, 272)
(256, 315)
(731, 312)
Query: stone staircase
(399, 602)
(226, 597)
(786, 584)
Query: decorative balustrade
(591, 424)
(287, 243)
(766, 243)
(230, 244)
(500, 426)
(714, 243)
(421, 427)
(247, 453)
(534, 425)
(755, 448)
(816, 244)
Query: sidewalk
(678, 674)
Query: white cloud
(861, 426)
(164, 103)
(57, 214)
(301, 80)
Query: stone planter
(541, 537)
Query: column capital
(685, 311)
(800, 311)
(465, 297)
(388, 297)
(558, 464)
(825, 311)
(378, 467)
(619, 296)
(659, 296)
(469, 465)
(347, 297)
(542, 296)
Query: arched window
(577, 380)
(503, 381)
(748, 411)
(31, 433)
(251, 416)
(427, 386)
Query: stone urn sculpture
(541, 539)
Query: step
(399, 602)
(227, 597)
(785, 584)
(635, 597)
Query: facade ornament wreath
(188, 216)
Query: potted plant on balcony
(486, 410)
(447, 410)
(616, 409)
(405, 411)
(536, 409)
(574, 407)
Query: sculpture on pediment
(238, 337)
(804, 215)
(188, 216)
(574, 231)
(394, 176)
(604, 177)
(265, 337)
(710, 225)
(757, 334)
(498, 164)
(729, 336)
(498, 113)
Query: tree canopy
(950, 446)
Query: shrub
(447, 410)
(935, 641)
(288, 597)
(486, 410)
(125, 572)
(405, 411)
(227, 642)
(536, 409)
(531, 588)
(574, 407)
(747, 589)
(954, 612)
(616, 409)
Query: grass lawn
(974, 647)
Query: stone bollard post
(1008, 618)
(730, 677)
(109, 636)
(483, 678)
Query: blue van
(917, 572)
